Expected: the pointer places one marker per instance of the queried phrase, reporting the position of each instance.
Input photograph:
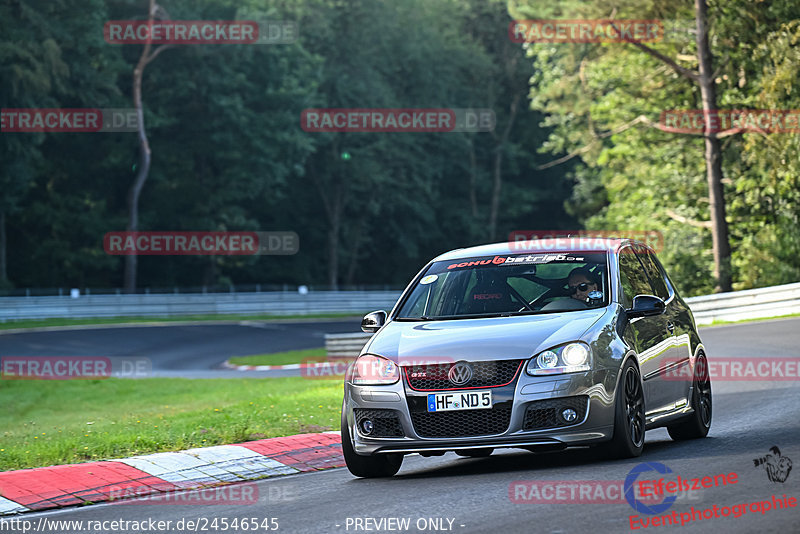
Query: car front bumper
(596, 425)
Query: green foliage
(641, 178)
(229, 153)
(767, 180)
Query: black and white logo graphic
(778, 467)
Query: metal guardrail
(748, 304)
(184, 290)
(166, 305)
(338, 346)
(736, 306)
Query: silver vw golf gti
(543, 348)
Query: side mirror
(646, 306)
(373, 321)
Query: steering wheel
(565, 304)
(520, 298)
(541, 298)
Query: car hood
(499, 338)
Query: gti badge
(460, 374)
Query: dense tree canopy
(229, 153)
(642, 177)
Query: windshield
(521, 284)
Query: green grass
(722, 323)
(56, 422)
(40, 323)
(281, 358)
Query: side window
(664, 276)
(656, 280)
(632, 276)
(418, 306)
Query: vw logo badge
(460, 374)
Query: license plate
(459, 400)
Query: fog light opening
(366, 426)
(569, 415)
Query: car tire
(698, 423)
(475, 453)
(629, 421)
(374, 466)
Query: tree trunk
(141, 175)
(713, 155)
(144, 147)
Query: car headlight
(547, 359)
(575, 354)
(570, 358)
(370, 370)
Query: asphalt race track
(189, 351)
(749, 418)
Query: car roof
(552, 245)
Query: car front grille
(434, 377)
(462, 423)
(547, 413)
(386, 423)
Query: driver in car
(581, 282)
